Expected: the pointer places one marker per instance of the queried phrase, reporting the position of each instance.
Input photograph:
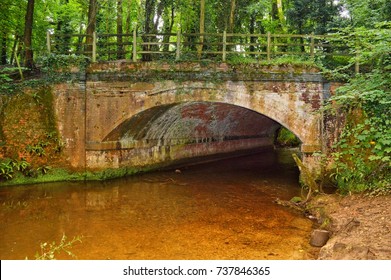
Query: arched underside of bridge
(194, 122)
(188, 131)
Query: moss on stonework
(2, 139)
(62, 175)
(29, 136)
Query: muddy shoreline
(359, 225)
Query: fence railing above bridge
(190, 46)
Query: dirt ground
(360, 226)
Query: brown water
(219, 210)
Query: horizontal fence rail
(194, 46)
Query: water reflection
(220, 210)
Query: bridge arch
(288, 107)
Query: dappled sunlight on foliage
(362, 157)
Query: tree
(307, 16)
(367, 12)
(362, 156)
(149, 25)
(120, 50)
(168, 22)
(281, 16)
(64, 26)
(232, 17)
(91, 24)
(28, 32)
(202, 27)
(3, 59)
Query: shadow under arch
(138, 126)
(193, 122)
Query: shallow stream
(216, 210)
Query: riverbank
(62, 175)
(360, 226)
(55, 174)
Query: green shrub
(286, 138)
(362, 156)
(6, 169)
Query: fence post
(48, 42)
(269, 41)
(134, 56)
(312, 47)
(94, 47)
(178, 45)
(224, 46)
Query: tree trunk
(91, 25)
(168, 29)
(64, 27)
(128, 19)
(252, 31)
(274, 10)
(4, 48)
(159, 12)
(281, 16)
(148, 27)
(232, 17)
(120, 49)
(80, 39)
(15, 45)
(28, 32)
(302, 47)
(202, 28)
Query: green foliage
(20, 165)
(9, 167)
(286, 138)
(52, 141)
(297, 60)
(43, 169)
(36, 149)
(64, 17)
(6, 170)
(50, 250)
(362, 156)
(6, 78)
(307, 16)
(239, 59)
(366, 13)
(369, 47)
(381, 188)
(61, 62)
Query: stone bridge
(147, 115)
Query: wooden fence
(195, 46)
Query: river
(216, 210)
